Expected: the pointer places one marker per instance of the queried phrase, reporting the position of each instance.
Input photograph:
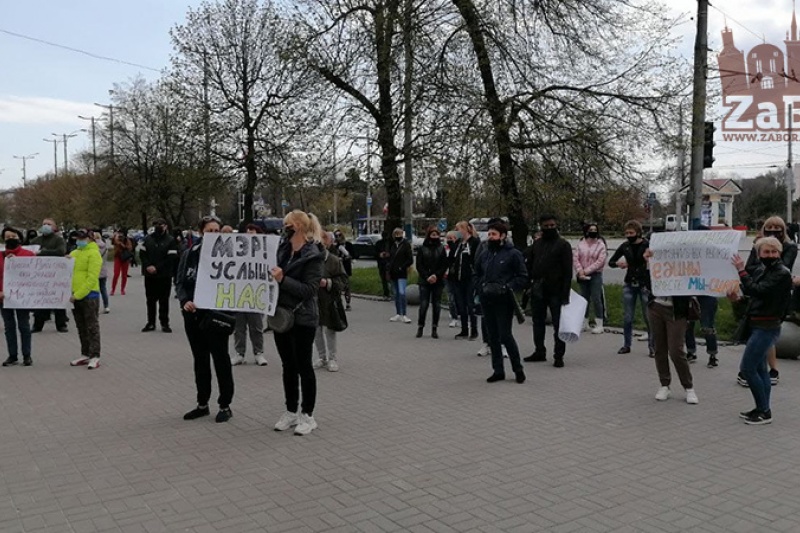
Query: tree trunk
(497, 112)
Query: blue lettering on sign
(697, 283)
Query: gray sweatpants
(255, 321)
(323, 338)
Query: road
(411, 439)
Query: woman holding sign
(206, 344)
(299, 272)
(769, 289)
(15, 318)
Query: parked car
(364, 246)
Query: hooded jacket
(86, 270)
(431, 261)
(299, 288)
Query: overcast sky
(43, 88)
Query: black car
(364, 246)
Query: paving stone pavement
(410, 438)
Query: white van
(671, 223)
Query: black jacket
(504, 266)
(431, 260)
(186, 280)
(549, 262)
(637, 272)
(401, 257)
(788, 256)
(770, 292)
(299, 289)
(462, 259)
(160, 251)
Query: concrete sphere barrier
(788, 345)
(412, 294)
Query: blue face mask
(46, 230)
(81, 244)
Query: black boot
(419, 331)
(473, 334)
(463, 335)
(434, 334)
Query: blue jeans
(104, 292)
(630, 294)
(13, 319)
(451, 299)
(399, 286)
(754, 364)
(708, 315)
(430, 295)
(498, 315)
(592, 290)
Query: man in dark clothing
(382, 251)
(549, 264)
(345, 252)
(51, 244)
(158, 256)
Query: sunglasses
(211, 218)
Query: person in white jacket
(589, 259)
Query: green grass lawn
(366, 281)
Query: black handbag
(493, 289)
(693, 312)
(339, 316)
(217, 322)
(283, 319)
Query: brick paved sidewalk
(410, 438)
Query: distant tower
(792, 53)
(731, 66)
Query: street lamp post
(55, 155)
(110, 108)
(24, 170)
(64, 137)
(94, 145)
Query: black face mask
(288, 233)
(549, 233)
(592, 235)
(494, 245)
(633, 239)
(399, 239)
(769, 261)
(12, 243)
(159, 230)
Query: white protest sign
(37, 282)
(694, 263)
(234, 273)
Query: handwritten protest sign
(694, 263)
(234, 273)
(37, 282)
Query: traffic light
(708, 145)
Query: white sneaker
(396, 318)
(237, 359)
(319, 363)
(406, 320)
(691, 397)
(333, 366)
(106, 310)
(94, 362)
(663, 394)
(305, 424)
(80, 361)
(261, 360)
(454, 324)
(585, 325)
(598, 327)
(286, 421)
(484, 351)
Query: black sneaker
(691, 357)
(535, 357)
(462, 336)
(10, 362)
(519, 375)
(624, 349)
(558, 362)
(197, 412)
(495, 377)
(27, 361)
(758, 418)
(747, 414)
(774, 376)
(148, 327)
(473, 335)
(741, 381)
(224, 415)
(712, 361)
(166, 329)
(651, 354)
(62, 329)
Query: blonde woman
(299, 272)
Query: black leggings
(205, 348)
(295, 348)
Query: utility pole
(24, 170)
(369, 184)
(110, 108)
(789, 173)
(408, 124)
(335, 181)
(681, 162)
(64, 137)
(695, 197)
(55, 155)
(94, 145)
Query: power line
(759, 37)
(78, 50)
